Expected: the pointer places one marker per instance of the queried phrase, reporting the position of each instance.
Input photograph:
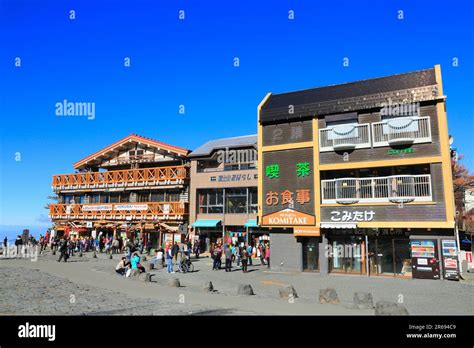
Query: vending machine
(424, 258)
(450, 259)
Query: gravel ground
(46, 287)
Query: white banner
(131, 207)
(97, 207)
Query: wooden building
(135, 186)
(356, 178)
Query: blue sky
(190, 62)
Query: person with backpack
(245, 257)
(249, 252)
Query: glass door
(311, 254)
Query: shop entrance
(347, 254)
(389, 256)
(311, 254)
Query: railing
(401, 131)
(396, 188)
(122, 178)
(344, 137)
(122, 211)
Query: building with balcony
(223, 192)
(356, 177)
(135, 186)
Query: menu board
(423, 248)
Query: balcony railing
(122, 178)
(401, 131)
(397, 189)
(120, 211)
(344, 137)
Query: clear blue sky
(190, 62)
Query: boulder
(208, 287)
(363, 300)
(389, 308)
(145, 277)
(174, 283)
(245, 289)
(288, 292)
(328, 295)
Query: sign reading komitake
(288, 188)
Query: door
(311, 254)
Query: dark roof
(327, 100)
(231, 143)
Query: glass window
(253, 200)
(113, 198)
(210, 201)
(95, 198)
(236, 201)
(157, 196)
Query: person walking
(228, 258)
(267, 255)
(62, 248)
(249, 252)
(237, 254)
(261, 253)
(179, 256)
(18, 244)
(169, 260)
(196, 249)
(245, 257)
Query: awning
(338, 225)
(251, 223)
(206, 223)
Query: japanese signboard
(352, 216)
(288, 188)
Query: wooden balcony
(120, 211)
(161, 176)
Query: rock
(209, 287)
(145, 277)
(288, 292)
(389, 308)
(151, 266)
(328, 295)
(363, 300)
(174, 283)
(245, 289)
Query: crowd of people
(243, 254)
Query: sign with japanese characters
(288, 184)
(288, 217)
(352, 216)
(233, 177)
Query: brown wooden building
(135, 186)
(356, 178)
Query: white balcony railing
(396, 188)
(401, 131)
(344, 137)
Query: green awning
(206, 223)
(251, 223)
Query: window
(210, 201)
(157, 196)
(95, 198)
(236, 201)
(113, 198)
(253, 200)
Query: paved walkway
(427, 297)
